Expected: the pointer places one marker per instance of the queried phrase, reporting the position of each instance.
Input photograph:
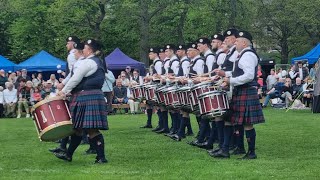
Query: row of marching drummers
(201, 99)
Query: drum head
(46, 100)
(209, 94)
(56, 132)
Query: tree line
(287, 27)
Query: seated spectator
(124, 80)
(128, 72)
(120, 94)
(287, 92)
(307, 89)
(53, 80)
(293, 74)
(36, 96)
(297, 88)
(274, 92)
(48, 90)
(24, 94)
(22, 76)
(12, 78)
(313, 71)
(10, 100)
(3, 78)
(1, 102)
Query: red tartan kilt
(246, 108)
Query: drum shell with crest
(52, 119)
(184, 94)
(171, 97)
(213, 104)
(198, 90)
(138, 92)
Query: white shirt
(247, 63)
(198, 67)
(140, 79)
(185, 66)
(158, 66)
(300, 73)
(75, 65)
(71, 59)
(175, 65)
(10, 96)
(1, 98)
(221, 58)
(210, 59)
(85, 68)
(232, 58)
(166, 65)
(292, 74)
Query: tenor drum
(171, 98)
(213, 104)
(52, 119)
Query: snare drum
(196, 91)
(213, 104)
(184, 98)
(150, 92)
(137, 92)
(160, 95)
(52, 119)
(171, 97)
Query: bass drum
(52, 119)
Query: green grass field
(288, 147)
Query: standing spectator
(24, 94)
(293, 74)
(3, 78)
(1, 102)
(313, 71)
(107, 88)
(23, 76)
(302, 71)
(271, 79)
(10, 100)
(120, 94)
(307, 89)
(128, 72)
(35, 80)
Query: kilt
(245, 106)
(88, 110)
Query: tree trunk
(180, 27)
(233, 16)
(144, 32)
(284, 44)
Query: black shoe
(213, 151)
(176, 137)
(101, 161)
(57, 150)
(193, 143)
(156, 129)
(63, 156)
(170, 134)
(249, 155)
(238, 151)
(146, 126)
(90, 151)
(162, 131)
(221, 154)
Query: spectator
(36, 95)
(53, 80)
(307, 89)
(23, 76)
(297, 88)
(1, 102)
(24, 94)
(3, 78)
(35, 80)
(274, 92)
(12, 78)
(10, 100)
(313, 71)
(287, 92)
(48, 90)
(124, 80)
(107, 88)
(261, 76)
(120, 94)
(136, 78)
(302, 71)
(128, 72)
(293, 74)
(271, 79)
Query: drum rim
(211, 92)
(201, 84)
(52, 126)
(46, 100)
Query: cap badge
(151, 49)
(229, 32)
(201, 40)
(70, 38)
(241, 34)
(215, 36)
(89, 41)
(193, 45)
(180, 47)
(168, 46)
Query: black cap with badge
(94, 44)
(78, 46)
(244, 34)
(181, 47)
(230, 32)
(203, 41)
(73, 38)
(154, 50)
(170, 46)
(192, 46)
(218, 37)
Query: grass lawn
(288, 147)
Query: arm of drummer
(86, 68)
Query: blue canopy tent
(42, 62)
(311, 57)
(117, 60)
(6, 65)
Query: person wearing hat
(87, 106)
(71, 40)
(232, 54)
(156, 71)
(184, 116)
(161, 53)
(245, 105)
(203, 45)
(219, 48)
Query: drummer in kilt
(245, 106)
(87, 106)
